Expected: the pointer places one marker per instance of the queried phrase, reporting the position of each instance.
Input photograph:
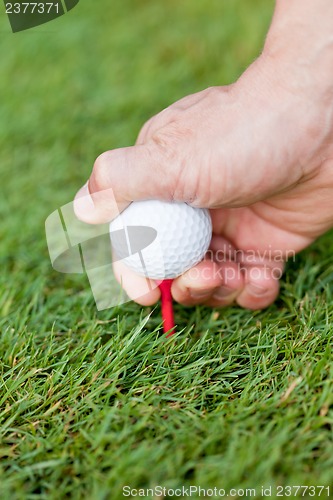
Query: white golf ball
(161, 240)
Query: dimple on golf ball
(159, 239)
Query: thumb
(124, 175)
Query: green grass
(92, 401)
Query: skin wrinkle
(277, 225)
(259, 149)
(201, 189)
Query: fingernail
(256, 290)
(200, 294)
(83, 203)
(223, 292)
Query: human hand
(258, 153)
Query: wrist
(300, 42)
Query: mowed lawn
(93, 401)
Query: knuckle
(173, 147)
(144, 132)
(172, 139)
(163, 159)
(156, 123)
(218, 96)
(165, 144)
(213, 92)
